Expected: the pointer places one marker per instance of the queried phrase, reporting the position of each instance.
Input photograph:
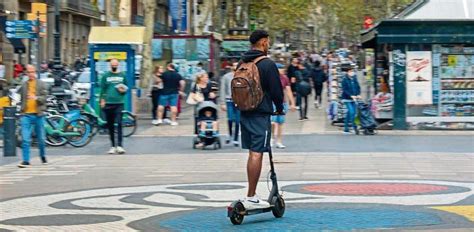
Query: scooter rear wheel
(236, 217)
(278, 207)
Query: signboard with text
(20, 29)
(419, 78)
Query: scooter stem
(273, 177)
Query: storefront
(427, 68)
(187, 52)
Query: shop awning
(419, 31)
(117, 35)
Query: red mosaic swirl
(374, 189)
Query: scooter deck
(246, 212)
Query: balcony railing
(80, 6)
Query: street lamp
(57, 38)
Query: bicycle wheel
(93, 121)
(55, 123)
(129, 124)
(84, 128)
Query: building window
(140, 8)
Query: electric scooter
(236, 211)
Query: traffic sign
(20, 29)
(19, 23)
(21, 35)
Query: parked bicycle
(73, 110)
(61, 131)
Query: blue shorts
(280, 119)
(169, 100)
(256, 132)
(233, 114)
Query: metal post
(57, 39)
(38, 28)
(9, 133)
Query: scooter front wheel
(278, 206)
(237, 218)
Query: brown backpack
(247, 93)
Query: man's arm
(41, 97)
(274, 87)
(102, 87)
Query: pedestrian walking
(350, 95)
(156, 87)
(233, 113)
(319, 77)
(113, 88)
(257, 108)
(279, 120)
(33, 104)
(291, 73)
(17, 69)
(173, 85)
(303, 89)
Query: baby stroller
(206, 112)
(367, 120)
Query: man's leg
(110, 117)
(353, 113)
(236, 132)
(162, 102)
(41, 136)
(305, 106)
(174, 100)
(160, 112)
(174, 112)
(254, 168)
(347, 118)
(118, 119)
(279, 132)
(25, 123)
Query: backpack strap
(258, 59)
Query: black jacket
(318, 76)
(270, 81)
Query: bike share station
(121, 43)
(106, 43)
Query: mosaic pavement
(311, 206)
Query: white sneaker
(154, 122)
(167, 121)
(280, 146)
(255, 203)
(174, 123)
(112, 150)
(120, 150)
(236, 143)
(159, 122)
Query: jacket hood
(252, 55)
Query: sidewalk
(318, 123)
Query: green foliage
(281, 15)
(343, 17)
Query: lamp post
(57, 38)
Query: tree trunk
(147, 62)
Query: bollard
(9, 133)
